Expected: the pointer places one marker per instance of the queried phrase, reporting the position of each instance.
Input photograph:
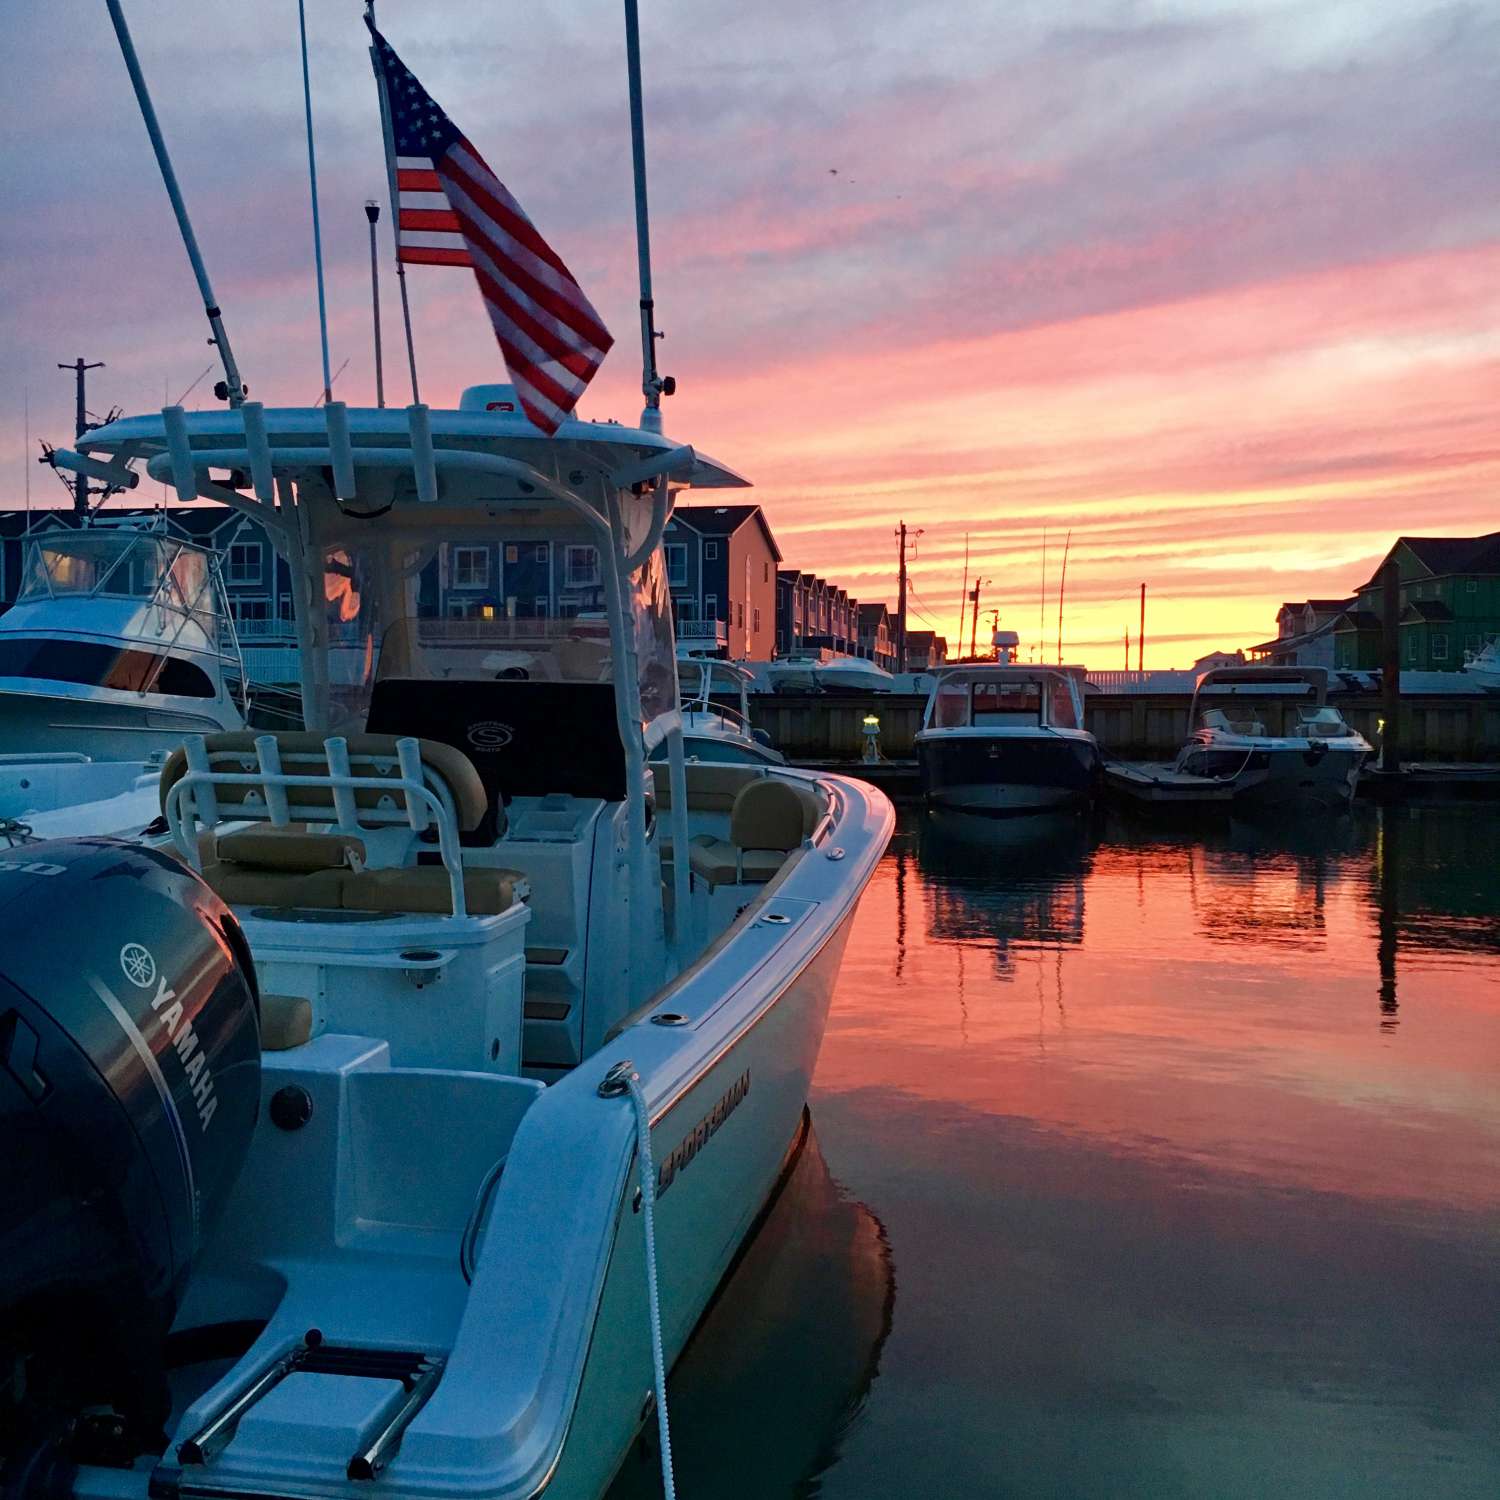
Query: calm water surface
(1145, 1164)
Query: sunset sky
(1215, 285)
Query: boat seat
(425, 888)
(285, 1022)
(302, 753)
(276, 867)
(710, 788)
(769, 820)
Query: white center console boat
(1272, 734)
(435, 1035)
(823, 671)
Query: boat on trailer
(537, 1001)
(1002, 740)
(1270, 735)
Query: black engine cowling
(129, 1088)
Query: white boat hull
(1303, 774)
(103, 724)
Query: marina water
(1143, 1163)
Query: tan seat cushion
(241, 885)
(772, 814)
(718, 862)
(267, 848)
(301, 752)
(710, 788)
(425, 888)
(285, 1022)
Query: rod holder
(340, 450)
(258, 445)
(180, 452)
(114, 474)
(424, 465)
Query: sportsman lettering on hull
(692, 1143)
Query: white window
(463, 609)
(581, 567)
(471, 568)
(251, 616)
(541, 552)
(765, 572)
(243, 565)
(1440, 648)
(286, 607)
(757, 621)
(710, 551)
(567, 607)
(686, 607)
(710, 606)
(676, 564)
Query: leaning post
(1390, 666)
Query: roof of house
(874, 613)
(1450, 554)
(199, 521)
(1356, 619)
(725, 520)
(1426, 609)
(1322, 606)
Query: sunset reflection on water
(1187, 1148)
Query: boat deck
(1156, 783)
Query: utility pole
(1127, 648)
(1390, 666)
(1140, 639)
(80, 369)
(902, 534)
(974, 638)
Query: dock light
(871, 726)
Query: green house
(1450, 604)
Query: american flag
(454, 211)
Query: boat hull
(711, 1199)
(116, 727)
(1007, 775)
(1305, 775)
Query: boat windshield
(158, 569)
(993, 702)
(515, 610)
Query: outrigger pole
(653, 385)
(231, 388)
(312, 178)
(395, 192)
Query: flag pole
(312, 178)
(233, 388)
(390, 173)
(653, 385)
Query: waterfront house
(1449, 604)
(925, 649)
(722, 571)
(1304, 634)
(876, 636)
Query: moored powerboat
(503, 965)
(1000, 740)
(119, 643)
(1272, 735)
(820, 670)
(712, 730)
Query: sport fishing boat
(1272, 735)
(443, 1059)
(119, 643)
(1000, 740)
(824, 671)
(1483, 666)
(712, 730)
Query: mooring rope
(623, 1079)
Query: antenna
(653, 385)
(964, 596)
(231, 389)
(372, 213)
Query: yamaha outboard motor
(129, 1087)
